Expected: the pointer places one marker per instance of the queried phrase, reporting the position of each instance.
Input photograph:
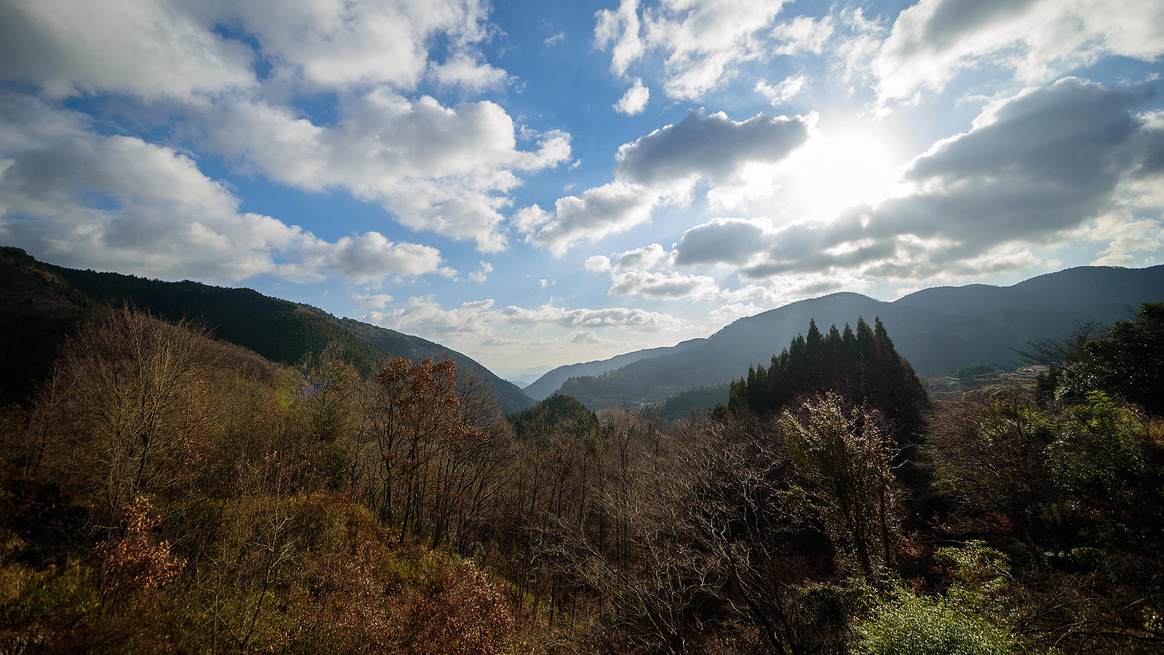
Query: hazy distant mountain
(937, 330)
(547, 384)
(279, 330)
(527, 376)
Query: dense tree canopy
(862, 366)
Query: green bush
(924, 625)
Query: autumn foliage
(164, 491)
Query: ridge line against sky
(536, 184)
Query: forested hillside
(281, 331)
(164, 491)
(937, 330)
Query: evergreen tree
(863, 366)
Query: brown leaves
(137, 564)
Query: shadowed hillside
(279, 330)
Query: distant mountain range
(40, 302)
(937, 330)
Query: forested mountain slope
(279, 330)
(551, 381)
(936, 329)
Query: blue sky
(537, 184)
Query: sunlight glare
(833, 172)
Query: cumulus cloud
(803, 34)
(648, 272)
(1042, 161)
(786, 90)
(708, 146)
(661, 168)
(935, 39)
(444, 169)
(610, 317)
(151, 50)
(592, 215)
(1037, 168)
(721, 241)
(479, 276)
(155, 49)
(467, 72)
(480, 320)
(634, 101)
(424, 315)
(371, 257)
(372, 301)
(333, 45)
(701, 41)
(435, 168)
(117, 202)
(620, 32)
(597, 264)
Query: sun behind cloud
(836, 170)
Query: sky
(542, 183)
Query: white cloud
(121, 203)
(662, 168)
(372, 301)
(479, 320)
(481, 275)
(337, 44)
(370, 257)
(711, 147)
(1037, 169)
(721, 241)
(803, 34)
(667, 285)
(786, 90)
(609, 317)
(434, 168)
(635, 273)
(935, 39)
(702, 41)
(858, 46)
(592, 215)
(151, 50)
(468, 73)
(424, 315)
(634, 100)
(597, 264)
(154, 49)
(619, 31)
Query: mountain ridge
(937, 329)
(280, 330)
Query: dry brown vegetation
(164, 491)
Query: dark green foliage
(1125, 361)
(696, 401)
(863, 366)
(279, 330)
(556, 414)
(276, 329)
(1128, 360)
(37, 310)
